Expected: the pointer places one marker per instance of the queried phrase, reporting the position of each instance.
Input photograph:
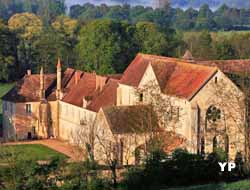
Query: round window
(213, 114)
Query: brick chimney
(29, 72)
(100, 82)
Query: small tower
(188, 56)
(59, 79)
(42, 90)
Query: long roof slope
(176, 77)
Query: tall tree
(8, 54)
(99, 46)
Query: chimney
(100, 82)
(29, 72)
(42, 90)
(77, 76)
(58, 78)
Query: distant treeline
(224, 18)
(106, 39)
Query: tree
(27, 25)
(8, 54)
(224, 51)
(65, 25)
(100, 46)
(205, 18)
(149, 39)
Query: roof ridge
(177, 60)
(228, 60)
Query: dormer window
(28, 109)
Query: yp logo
(230, 166)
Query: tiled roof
(241, 66)
(85, 87)
(107, 97)
(131, 119)
(27, 89)
(176, 77)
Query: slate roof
(176, 77)
(131, 119)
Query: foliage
(46, 9)
(175, 171)
(108, 46)
(8, 51)
(28, 25)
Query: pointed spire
(59, 79)
(59, 65)
(188, 55)
(42, 84)
(41, 70)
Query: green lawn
(240, 185)
(4, 88)
(29, 152)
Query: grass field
(29, 152)
(240, 185)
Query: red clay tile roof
(115, 76)
(176, 77)
(72, 81)
(67, 76)
(107, 97)
(84, 88)
(131, 119)
(230, 66)
(27, 89)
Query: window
(121, 151)
(202, 146)
(226, 144)
(5, 106)
(216, 80)
(215, 143)
(11, 108)
(178, 114)
(213, 114)
(141, 97)
(28, 109)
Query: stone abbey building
(188, 103)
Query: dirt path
(72, 152)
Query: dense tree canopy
(8, 62)
(28, 25)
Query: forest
(107, 38)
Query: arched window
(202, 146)
(215, 143)
(226, 144)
